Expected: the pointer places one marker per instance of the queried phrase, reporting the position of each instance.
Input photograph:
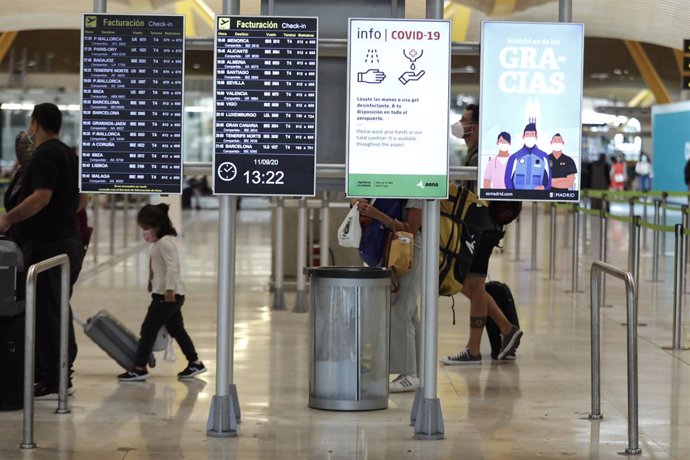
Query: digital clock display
(265, 105)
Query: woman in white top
(643, 170)
(167, 295)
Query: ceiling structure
(48, 38)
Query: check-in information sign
(531, 109)
(398, 106)
(131, 98)
(265, 110)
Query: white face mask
(148, 236)
(530, 142)
(557, 147)
(502, 147)
(457, 130)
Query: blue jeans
(644, 183)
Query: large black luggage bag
(12, 362)
(504, 299)
(114, 338)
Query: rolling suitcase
(12, 362)
(500, 292)
(114, 338)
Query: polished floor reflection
(535, 407)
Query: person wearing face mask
(563, 169)
(467, 129)
(167, 295)
(475, 269)
(528, 168)
(23, 146)
(44, 224)
(494, 174)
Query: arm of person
(411, 225)
(83, 201)
(563, 182)
(487, 175)
(31, 206)
(169, 254)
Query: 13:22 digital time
(268, 177)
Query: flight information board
(265, 105)
(132, 103)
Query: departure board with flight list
(265, 105)
(132, 103)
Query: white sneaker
(403, 383)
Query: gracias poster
(530, 126)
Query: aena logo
(422, 184)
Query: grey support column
(324, 240)
(533, 259)
(279, 248)
(429, 421)
(94, 236)
(224, 413)
(301, 298)
(419, 392)
(552, 240)
(112, 224)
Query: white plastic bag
(162, 339)
(350, 231)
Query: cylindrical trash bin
(350, 324)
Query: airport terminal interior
(534, 407)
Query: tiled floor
(536, 407)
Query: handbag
(372, 246)
(162, 339)
(400, 253)
(350, 230)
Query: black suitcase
(504, 299)
(115, 339)
(12, 362)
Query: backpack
(11, 279)
(506, 303)
(451, 253)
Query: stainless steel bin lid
(348, 272)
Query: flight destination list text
(265, 120)
(132, 103)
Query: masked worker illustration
(528, 168)
(563, 169)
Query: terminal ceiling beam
(188, 8)
(503, 8)
(648, 72)
(6, 40)
(459, 16)
(679, 60)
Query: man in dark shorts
(480, 241)
(563, 169)
(45, 224)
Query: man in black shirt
(44, 223)
(563, 167)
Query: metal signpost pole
(224, 413)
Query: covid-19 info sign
(530, 111)
(398, 106)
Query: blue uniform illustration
(528, 168)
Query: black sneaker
(135, 375)
(462, 357)
(510, 342)
(191, 370)
(43, 392)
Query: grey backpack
(11, 279)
